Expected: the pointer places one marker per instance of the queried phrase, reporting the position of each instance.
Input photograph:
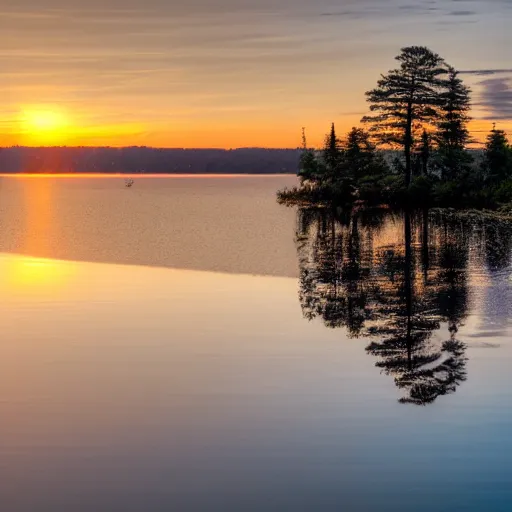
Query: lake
(188, 344)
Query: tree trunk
(425, 165)
(407, 145)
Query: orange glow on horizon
(51, 127)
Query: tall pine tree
(405, 99)
(452, 135)
(332, 156)
(497, 162)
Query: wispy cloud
(462, 13)
(485, 72)
(496, 98)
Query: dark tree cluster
(421, 110)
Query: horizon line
(17, 146)
(213, 148)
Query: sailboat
(128, 182)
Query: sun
(44, 125)
(44, 120)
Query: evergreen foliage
(452, 136)
(497, 163)
(406, 99)
(421, 108)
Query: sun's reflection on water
(25, 274)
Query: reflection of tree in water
(415, 305)
(335, 263)
(400, 294)
(498, 245)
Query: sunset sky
(229, 73)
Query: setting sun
(44, 125)
(44, 120)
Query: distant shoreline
(138, 160)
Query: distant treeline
(150, 160)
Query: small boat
(128, 182)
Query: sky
(230, 73)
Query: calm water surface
(190, 345)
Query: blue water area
(326, 361)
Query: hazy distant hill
(150, 160)
(158, 161)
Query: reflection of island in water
(401, 281)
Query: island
(413, 149)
